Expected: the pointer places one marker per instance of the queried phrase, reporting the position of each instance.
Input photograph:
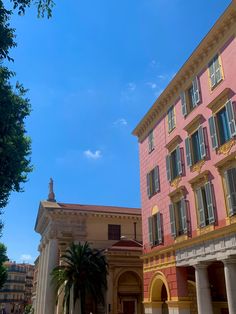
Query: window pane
(174, 165)
(179, 218)
(196, 147)
(113, 232)
(223, 126)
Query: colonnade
(204, 302)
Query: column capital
(199, 265)
(229, 260)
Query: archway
(129, 291)
(159, 293)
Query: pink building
(187, 144)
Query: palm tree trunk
(71, 306)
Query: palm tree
(83, 273)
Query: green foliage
(83, 272)
(3, 269)
(44, 7)
(14, 108)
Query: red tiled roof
(100, 208)
(127, 243)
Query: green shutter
(196, 92)
(218, 75)
(231, 117)
(230, 179)
(188, 152)
(201, 142)
(148, 185)
(179, 160)
(159, 229)
(150, 142)
(150, 230)
(170, 119)
(184, 215)
(200, 207)
(168, 170)
(183, 103)
(172, 220)
(209, 200)
(212, 73)
(156, 179)
(213, 133)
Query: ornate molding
(175, 183)
(198, 166)
(226, 148)
(222, 31)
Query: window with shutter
(215, 71)
(213, 133)
(174, 167)
(190, 98)
(205, 205)
(150, 142)
(196, 91)
(172, 220)
(153, 182)
(230, 180)
(150, 230)
(171, 119)
(231, 118)
(178, 218)
(183, 103)
(155, 229)
(195, 147)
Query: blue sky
(93, 71)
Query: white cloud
(162, 76)
(93, 155)
(26, 258)
(152, 85)
(120, 122)
(131, 86)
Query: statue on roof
(51, 195)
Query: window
(155, 229)
(174, 164)
(150, 142)
(153, 182)
(215, 71)
(204, 202)
(113, 232)
(171, 119)
(222, 125)
(230, 180)
(195, 147)
(191, 97)
(178, 218)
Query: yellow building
(116, 229)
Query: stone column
(230, 282)
(204, 303)
(49, 300)
(39, 288)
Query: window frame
(190, 102)
(111, 233)
(153, 182)
(169, 164)
(151, 145)
(217, 57)
(171, 119)
(190, 149)
(155, 224)
(213, 123)
(206, 211)
(178, 214)
(230, 211)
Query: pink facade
(189, 218)
(162, 137)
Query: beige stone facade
(59, 224)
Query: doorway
(129, 307)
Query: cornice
(221, 31)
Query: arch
(156, 285)
(123, 271)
